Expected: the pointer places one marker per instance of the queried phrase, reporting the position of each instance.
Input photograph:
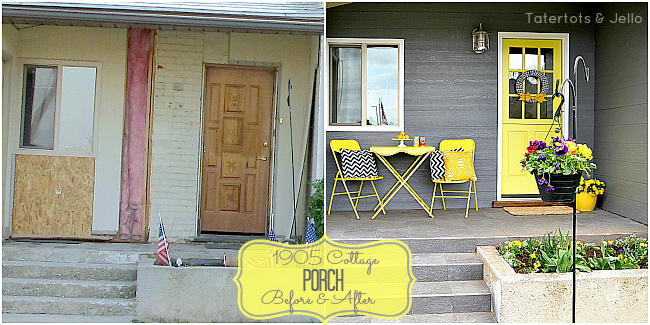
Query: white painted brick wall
(176, 134)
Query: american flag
(163, 245)
(384, 120)
(310, 235)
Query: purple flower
(556, 165)
(542, 157)
(541, 145)
(620, 251)
(561, 150)
(542, 181)
(549, 188)
(557, 139)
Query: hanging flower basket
(557, 167)
(557, 188)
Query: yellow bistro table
(421, 154)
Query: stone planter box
(193, 294)
(618, 296)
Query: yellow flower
(537, 264)
(585, 151)
(625, 260)
(610, 242)
(591, 265)
(620, 256)
(579, 242)
(533, 255)
(572, 146)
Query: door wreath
(527, 97)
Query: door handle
(262, 158)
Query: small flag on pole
(310, 235)
(271, 232)
(163, 245)
(272, 235)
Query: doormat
(531, 211)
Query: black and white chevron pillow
(437, 164)
(358, 163)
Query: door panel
(526, 121)
(237, 130)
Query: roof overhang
(307, 17)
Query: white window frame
(20, 89)
(364, 43)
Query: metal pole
(293, 165)
(575, 234)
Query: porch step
(447, 267)
(469, 244)
(224, 241)
(67, 253)
(482, 317)
(68, 306)
(69, 271)
(44, 318)
(450, 297)
(449, 283)
(68, 288)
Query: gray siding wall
(621, 111)
(451, 92)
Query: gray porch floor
(485, 223)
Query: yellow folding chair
(336, 146)
(448, 145)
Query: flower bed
(602, 296)
(553, 253)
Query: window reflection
(382, 85)
(38, 107)
(346, 85)
(77, 109)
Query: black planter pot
(565, 186)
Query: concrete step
(450, 297)
(46, 318)
(68, 306)
(68, 288)
(447, 267)
(67, 253)
(482, 317)
(468, 244)
(69, 271)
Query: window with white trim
(366, 84)
(58, 109)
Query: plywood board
(53, 195)
(42, 238)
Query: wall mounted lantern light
(480, 39)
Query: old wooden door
(236, 154)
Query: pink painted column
(134, 143)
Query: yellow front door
(524, 121)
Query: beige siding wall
(9, 40)
(103, 45)
(176, 156)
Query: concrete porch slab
(450, 224)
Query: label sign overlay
(324, 279)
